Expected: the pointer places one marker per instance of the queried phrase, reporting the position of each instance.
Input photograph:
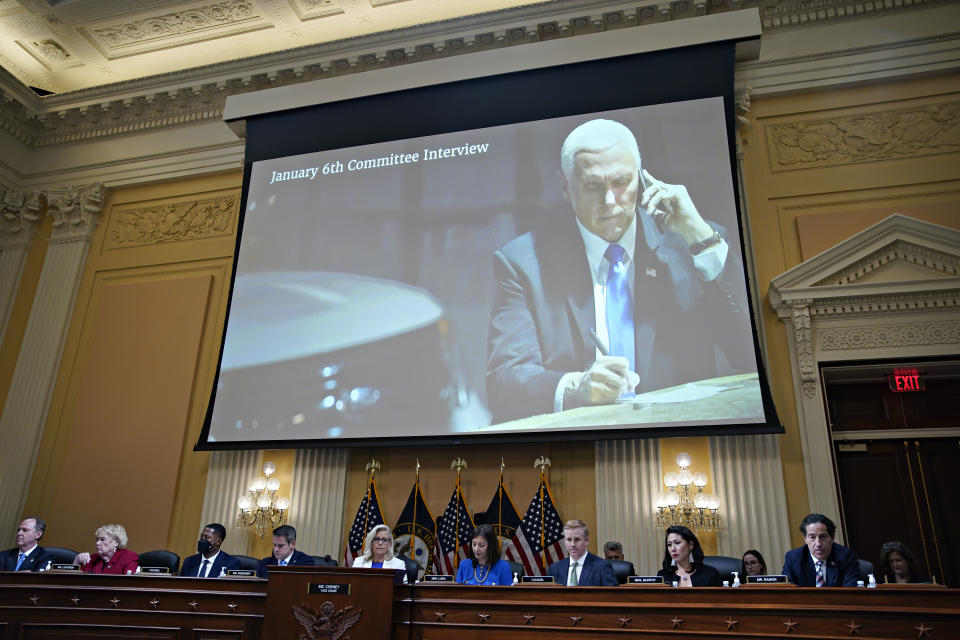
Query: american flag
(453, 535)
(368, 516)
(538, 542)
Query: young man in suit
(581, 568)
(210, 561)
(821, 562)
(28, 555)
(284, 551)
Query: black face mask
(203, 546)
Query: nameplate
(645, 580)
(241, 573)
(65, 567)
(766, 579)
(537, 579)
(154, 569)
(437, 578)
(326, 587)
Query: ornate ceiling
(67, 45)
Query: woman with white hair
(112, 555)
(378, 551)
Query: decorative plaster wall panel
(310, 9)
(172, 222)
(906, 132)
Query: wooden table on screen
(441, 612)
(35, 606)
(738, 402)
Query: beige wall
(822, 166)
(137, 367)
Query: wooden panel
(59, 631)
(133, 393)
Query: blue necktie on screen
(619, 306)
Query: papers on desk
(687, 392)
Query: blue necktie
(619, 307)
(20, 561)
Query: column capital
(75, 211)
(19, 218)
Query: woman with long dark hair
(683, 560)
(484, 566)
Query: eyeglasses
(383, 540)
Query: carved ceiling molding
(56, 120)
(173, 222)
(905, 132)
(193, 24)
(946, 299)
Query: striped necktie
(819, 567)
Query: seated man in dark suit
(28, 555)
(821, 562)
(210, 561)
(613, 551)
(284, 551)
(581, 568)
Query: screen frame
(456, 106)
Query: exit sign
(905, 380)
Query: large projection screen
(410, 268)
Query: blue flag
(415, 533)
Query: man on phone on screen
(632, 292)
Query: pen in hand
(602, 348)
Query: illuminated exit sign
(905, 380)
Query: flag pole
(542, 463)
(416, 492)
(459, 464)
(500, 498)
(372, 467)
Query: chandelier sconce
(261, 509)
(681, 505)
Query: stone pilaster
(19, 218)
(75, 213)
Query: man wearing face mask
(210, 561)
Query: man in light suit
(581, 568)
(209, 561)
(284, 551)
(27, 555)
(679, 292)
(821, 562)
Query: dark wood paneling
(30, 631)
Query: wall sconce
(261, 509)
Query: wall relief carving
(75, 211)
(885, 336)
(868, 137)
(173, 222)
(935, 261)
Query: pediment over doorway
(897, 256)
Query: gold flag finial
(459, 464)
(372, 466)
(418, 467)
(542, 463)
(502, 466)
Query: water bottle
(49, 564)
(871, 582)
(223, 572)
(736, 578)
(515, 579)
